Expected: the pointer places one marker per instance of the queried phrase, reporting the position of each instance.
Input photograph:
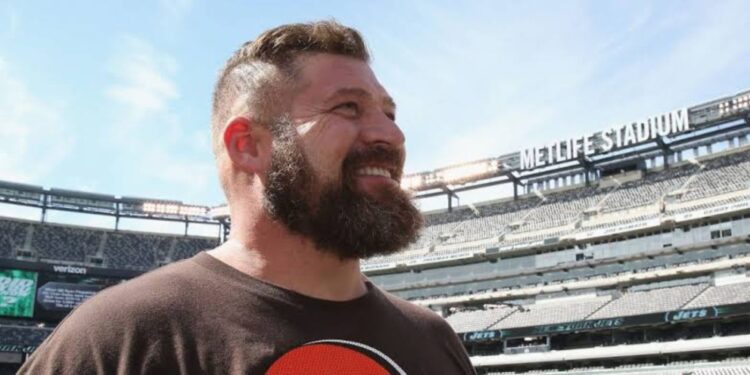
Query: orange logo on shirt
(334, 357)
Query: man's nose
(383, 130)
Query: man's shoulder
(419, 315)
(436, 336)
(149, 295)
(122, 325)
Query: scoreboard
(17, 290)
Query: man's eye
(348, 108)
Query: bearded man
(310, 158)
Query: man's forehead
(328, 76)
(347, 92)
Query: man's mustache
(379, 155)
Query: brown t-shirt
(201, 316)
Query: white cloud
(175, 9)
(491, 81)
(499, 83)
(473, 84)
(678, 60)
(144, 78)
(13, 22)
(9, 20)
(33, 136)
(158, 144)
(189, 176)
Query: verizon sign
(625, 135)
(69, 269)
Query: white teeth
(374, 171)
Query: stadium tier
(532, 218)
(111, 249)
(626, 259)
(729, 366)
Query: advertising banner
(17, 289)
(667, 317)
(63, 297)
(64, 289)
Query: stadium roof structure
(657, 136)
(102, 204)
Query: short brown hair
(261, 70)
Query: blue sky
(114, 97)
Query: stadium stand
(722, 294)
(477, 320)
(529, 215)
(57, 242)
(644, 302)
(12, 236)
(133, 251)
(119, 249)
(608, 273)
(561, 310)
(552, 311)
(187, 247)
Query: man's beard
(337, 217)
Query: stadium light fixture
(448, 176)
(412, 182)
(462, 173)
(174, 209)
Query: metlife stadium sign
(17, 291)
(617, 137)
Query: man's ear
(248, 144)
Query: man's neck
(290, 261)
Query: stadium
(620, 252)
